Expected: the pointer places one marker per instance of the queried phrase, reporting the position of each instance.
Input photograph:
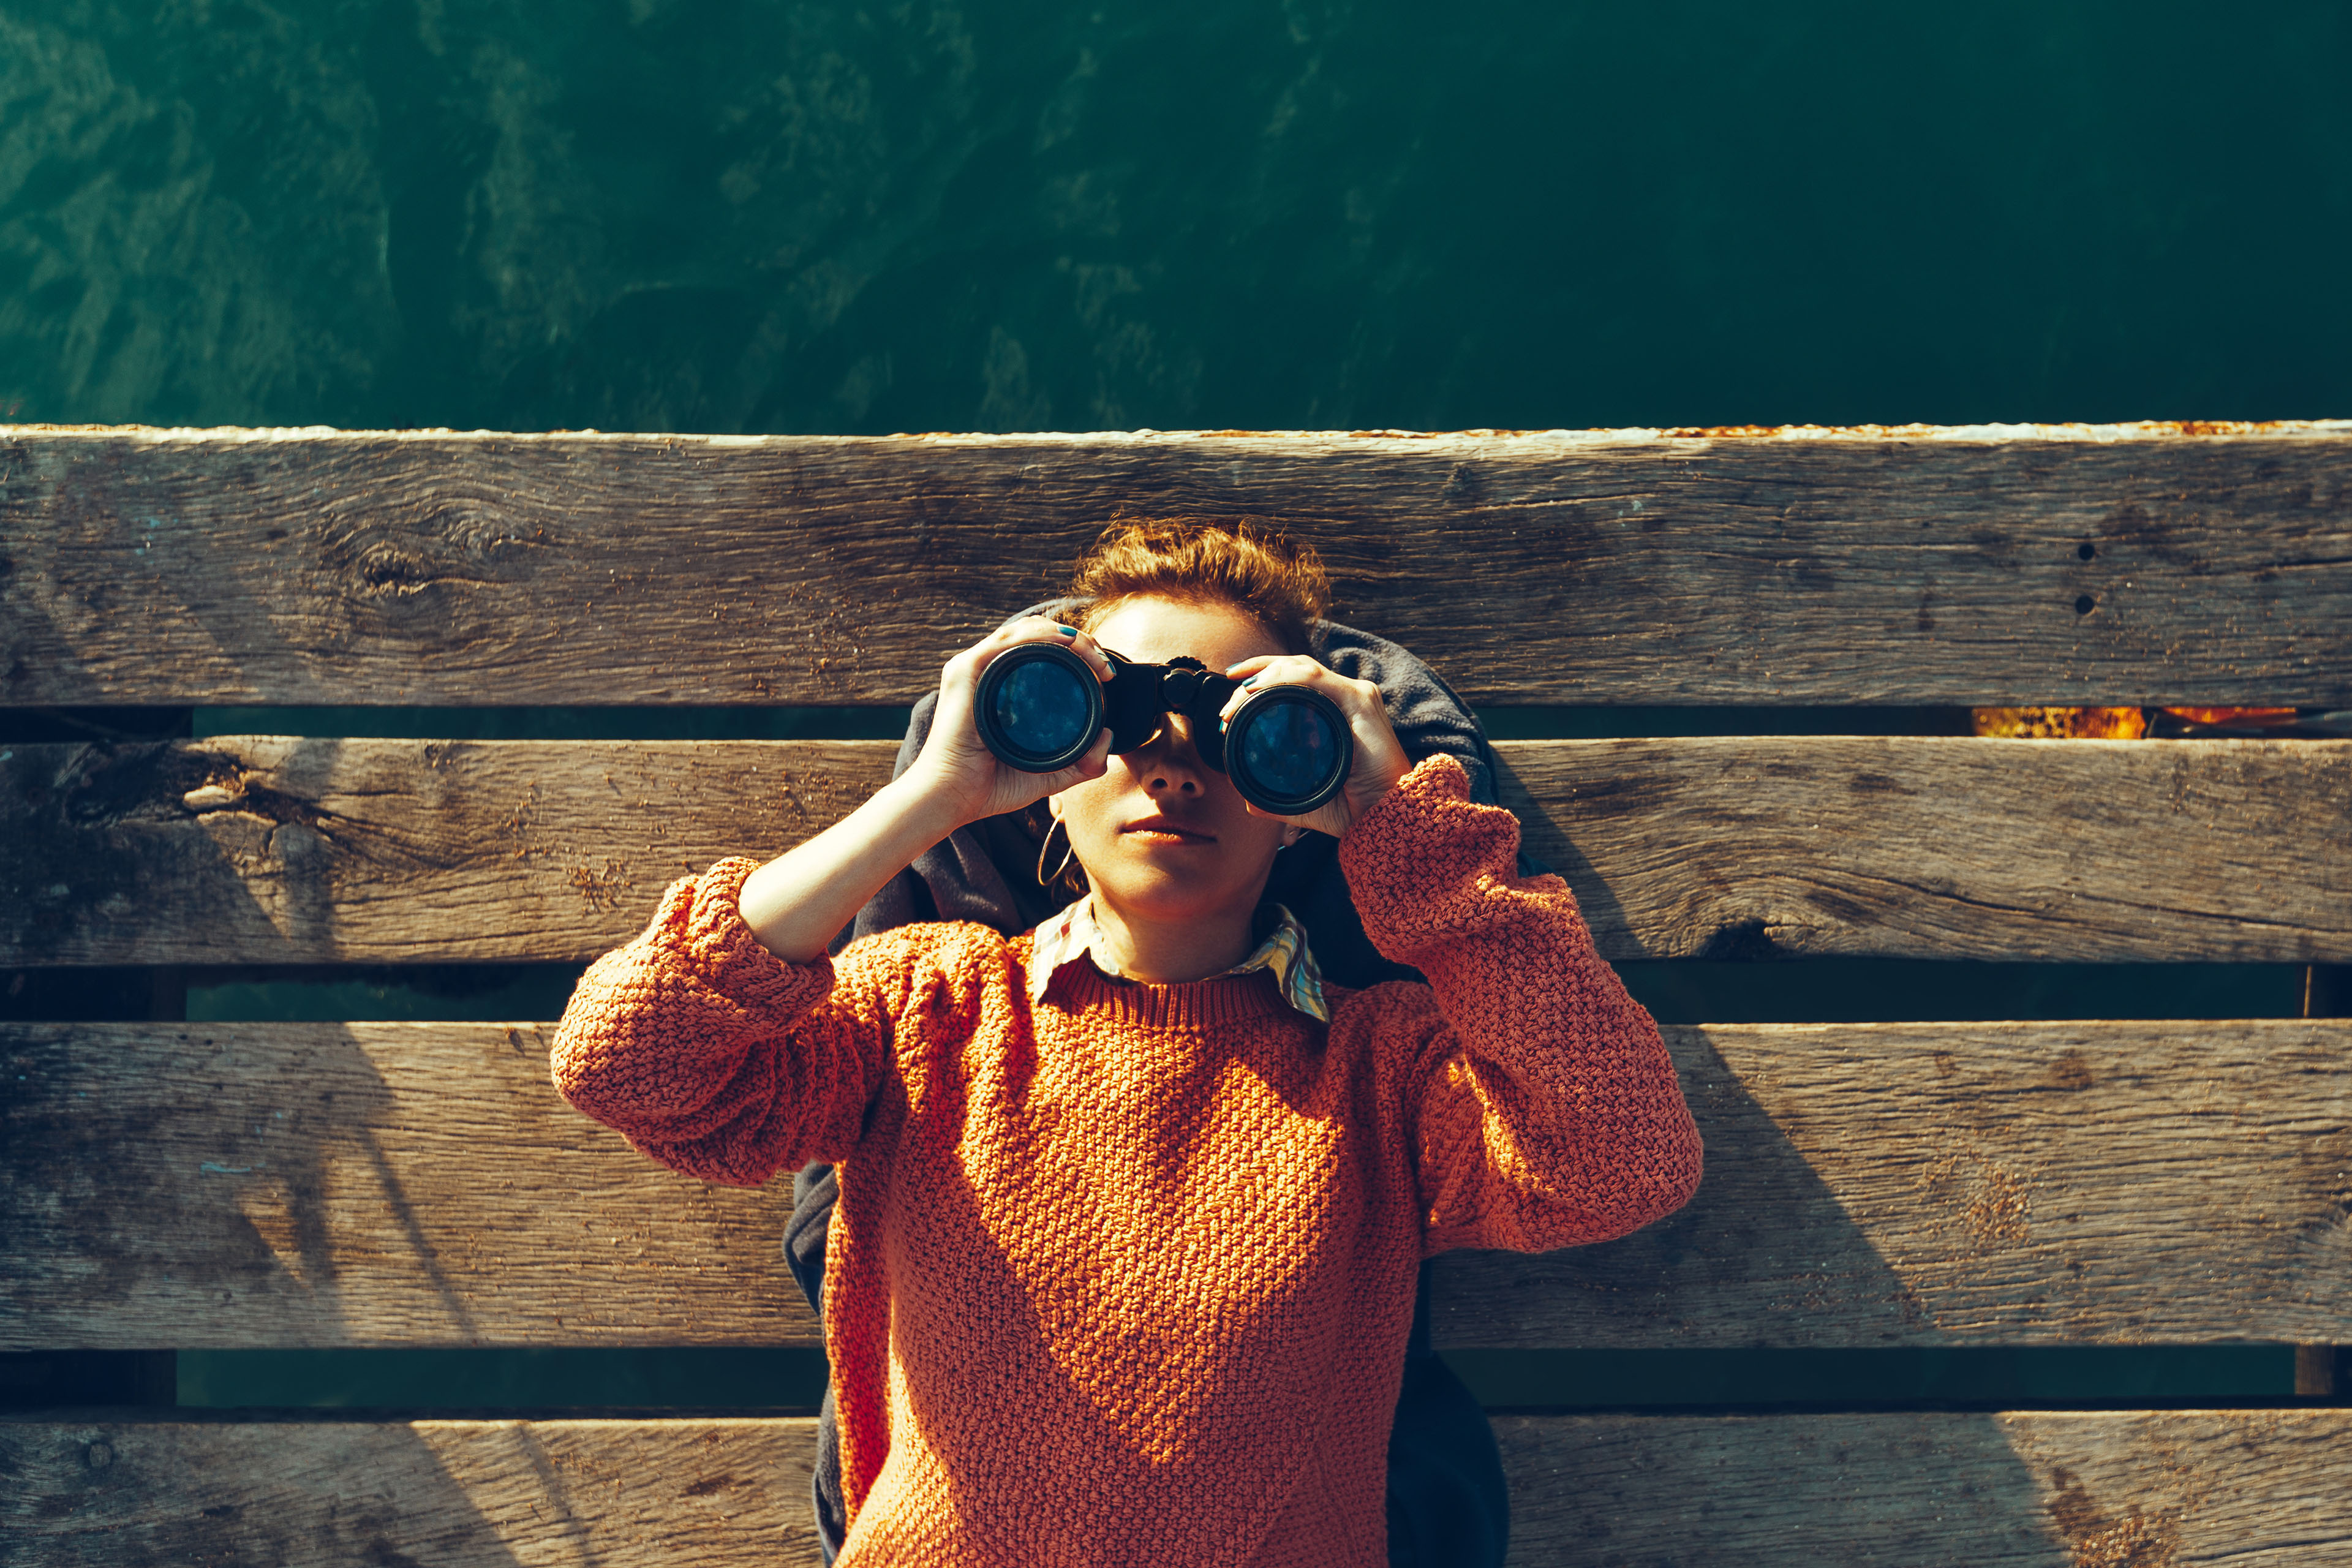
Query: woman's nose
(1169, 763)
(1172, 768)
(1160, 780)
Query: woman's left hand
(1380, 759)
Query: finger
(966, 666)
(1265, 669)
(1035, 628)
(960, 677)
(969, 664)
(1283, 668)
(1273, 669)
(1252, 665)
(1027, 629)
(1091, 651)
(1093, 765)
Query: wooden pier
(175, 1185)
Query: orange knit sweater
(1124, 1276)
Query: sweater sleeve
(1540, 1104)
(717, 1058)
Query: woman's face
(1163, 836)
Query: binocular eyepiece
(1040, 707)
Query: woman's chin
(1163, 893)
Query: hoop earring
(1047, 878)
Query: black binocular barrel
(1288, 749)
(1040, 707)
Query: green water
(686, 215)
(696, 214)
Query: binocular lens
(1044, 705)
(1040, 707)
(1288, 749)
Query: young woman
(1131, 1204)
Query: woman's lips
(1160, 827)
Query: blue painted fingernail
(1250, 682)
(1068, 631)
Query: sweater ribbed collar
(1190, 1006)
(1073, 936)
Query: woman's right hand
(957, 770)
(797, 902)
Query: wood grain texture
(1971, 1184)
(280, 1185)
(2123, 1489)
(223, 1185)
(327, 851)
(1598, 567)
(451, 1494)
(2084, 851)
(261, 850)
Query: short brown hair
(1246, 562)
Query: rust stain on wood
(2099, 1540)
(1992, 1200)
(2072, 1070)
(601, 888)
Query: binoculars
(1040, 707)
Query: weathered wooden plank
(2123, 1490)
(1972, 1184)
(453, 1494)
(203, 1186)
(1884, 1184)
(260, 850)
(325, 850)
(2086, 851)
(1990, 565)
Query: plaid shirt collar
(1071, 935)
